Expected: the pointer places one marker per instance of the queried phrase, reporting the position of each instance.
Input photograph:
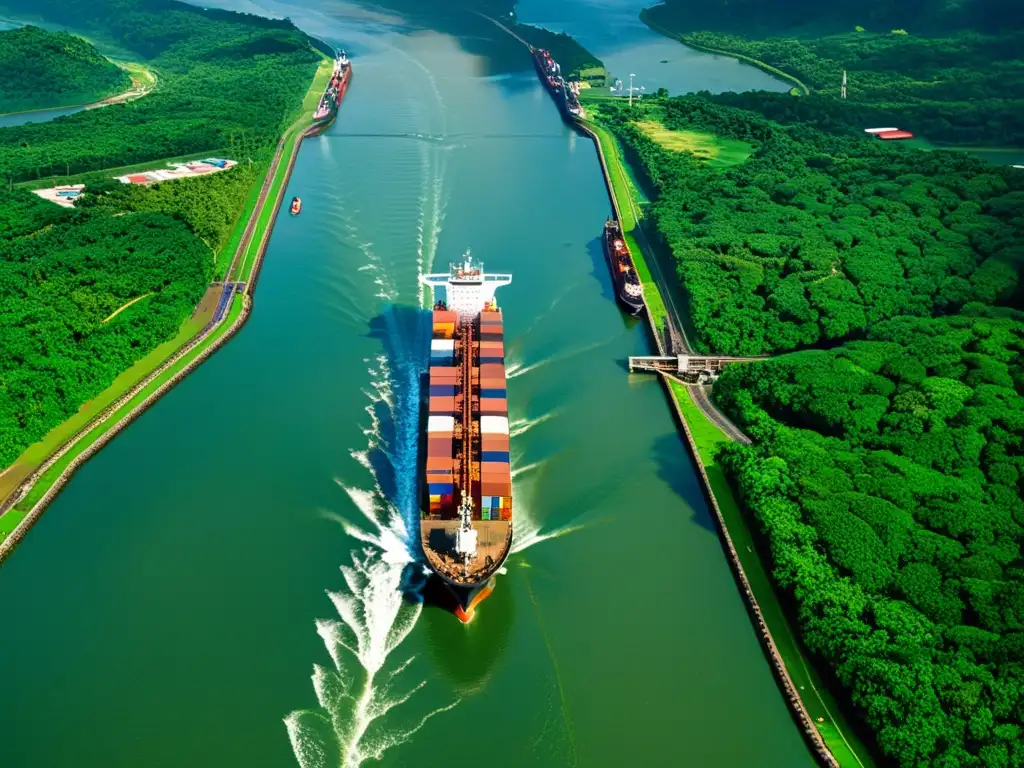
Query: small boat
(296, 205)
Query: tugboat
(296, 205)
(628, 289)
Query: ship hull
(321, 125)
(466, 502)
(628, 303)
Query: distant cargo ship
(466, 520)
(628, 289)
(335, 90)
(566, 94)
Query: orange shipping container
(442, 405)
(496, 470)
(494, 406)
(440, 463)
(494, 443)
(445, 316)
(495, 488)
(443, 371)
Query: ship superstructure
(625, 280)
(466, 521)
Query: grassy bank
(86, 419)
(645, 17)
(822, 707)
(626, 194)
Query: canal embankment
(33, 481)
(819, 717)
(645, 17)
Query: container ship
(335, 90)
(628, 289)
(466, 519)
(566, 94)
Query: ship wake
(366, 696)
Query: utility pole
(631, 88)
(842, 93)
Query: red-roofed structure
(890, 135)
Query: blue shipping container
(441, 489)
(439, 391)
(498, 393)
(492, 359)
(501, 456)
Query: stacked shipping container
(444, 388)
(495, 466)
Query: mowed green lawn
(717, 151)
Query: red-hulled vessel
(466, 520)
(628, 289)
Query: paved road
(710, 410)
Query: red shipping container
(441, 449)
(492, 371)
(494, 406)
(442, 405)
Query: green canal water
(227, 583)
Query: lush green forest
(61, 275)
(816, 237)
(955, 85)
(209, 205)
(227, 82)
(885, 476)
(786, 16)
(40, 69)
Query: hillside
(40, 70)
(230, 84)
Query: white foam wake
(365, 695)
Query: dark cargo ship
(466, 519)
(628, 289)
(565, 94)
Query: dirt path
(123, 307)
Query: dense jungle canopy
(229, 84)
(40, 69)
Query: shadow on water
(595, 250)
(675, 467)
(466, 653)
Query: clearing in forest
(717, 151)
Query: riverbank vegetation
(227, 82)
(816, 237)
(954, 78)
(60, 281)
(42, 70)
(885, 475)
(884, 472)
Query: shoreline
(654, 26)
(181, 361)
(798, 709)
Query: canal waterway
(37, 116)
(223, 584)
(613, 32)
